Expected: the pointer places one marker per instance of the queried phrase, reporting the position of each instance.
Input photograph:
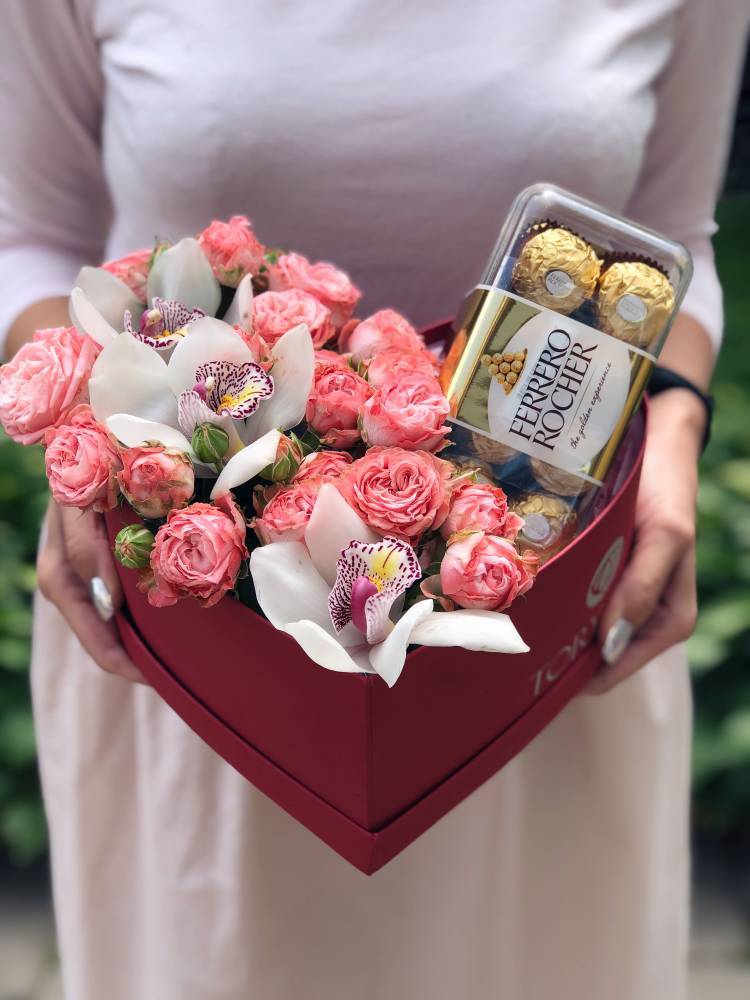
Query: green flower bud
(133, 546)
(289, 454)
(210, 443)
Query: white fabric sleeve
(54, 204)
(689, 142)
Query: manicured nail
(617, 640)
(101, 598)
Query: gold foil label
(572, 395)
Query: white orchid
(338, 594)
(212, 376)
(181, 289)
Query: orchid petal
(240, 309)
(332, 525)
(389, 656)
(292, 373)
(182, 273)
(129, 377)
(247, 463)
(208, 340)
(483, 631)
(326, 651)
(87, 318)
(289, 589)
(132, 431)
(109, 296)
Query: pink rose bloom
(481, 507)
(260, 350)
(132, 270)
(485, 572)
(44, 381)
(232, 249)
(198, 553)
(155, 479)
(323, 465)
(383, 331)
(333, 288)
(334, 403)
(82, 462)
(398, 492)
(286, 514)
(393, 363)
(407, 413)
(274, 313)
(332, 358)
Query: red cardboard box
(364, 767)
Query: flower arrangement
(263, 435)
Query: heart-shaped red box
(364, 767)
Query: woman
(390, 139)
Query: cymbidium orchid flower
(337, 595)
(181, 288)
(212, 376)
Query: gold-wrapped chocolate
(556, 269)
(549, 524)
(558, 481)
(489, 450)
(634, 301)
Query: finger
(69, 594)
(672, 622)
(88, 549)
(655, 555)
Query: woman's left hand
(654, 604)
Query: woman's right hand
(75, 550)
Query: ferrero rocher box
(368, 768)
(554, 346)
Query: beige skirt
(565, 877)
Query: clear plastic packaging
(553, 349)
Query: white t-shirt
(390, 138)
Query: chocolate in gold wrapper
(634, 301)
(556, 269)
(557, 480)
(489, 450)
(549, 524)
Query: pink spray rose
(398, 492)
(232, 249)
(274, 313)
(480, 507)
(82, 462)
(333, 288)
(132, 270)
(155, 479)
(382, 331)
(323, 465)
(336, 397)
(485, 572)
(407, 413)
(44, 381)
(198, 553)
(393, 363)
(332, 358)
(286, 514)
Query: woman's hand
(75, 550)
(654, 604)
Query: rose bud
(289, 453)
(210, 443)
(156, 480)
(133, 546)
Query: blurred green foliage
(720, 648)
(719, 651)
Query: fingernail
(617, 640)
(101, 598)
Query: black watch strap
(664, 378)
